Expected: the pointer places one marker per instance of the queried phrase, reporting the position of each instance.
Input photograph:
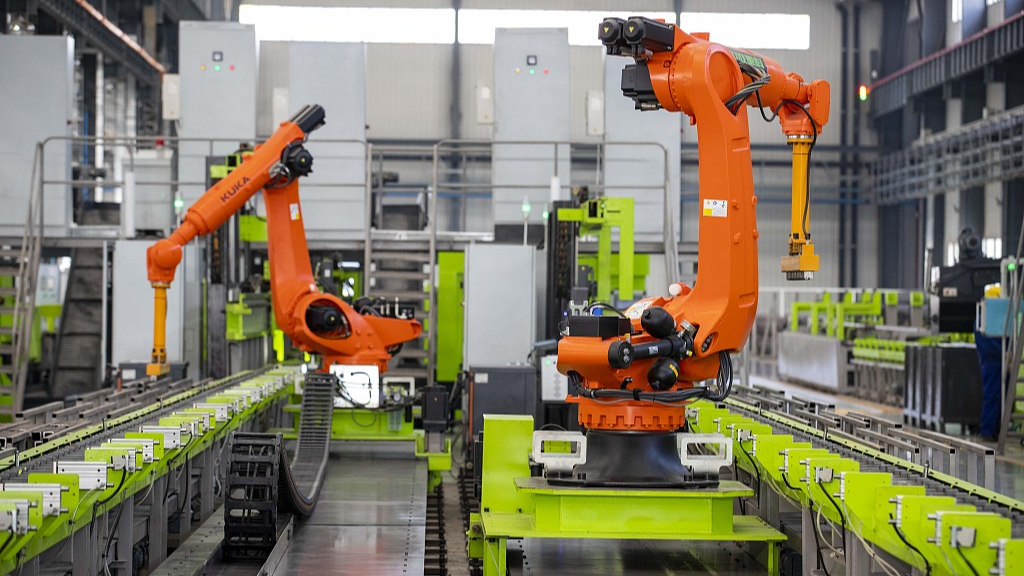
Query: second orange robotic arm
(316, 322)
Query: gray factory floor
(1009, 467)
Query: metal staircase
(398, 268)
(78, 351)
(19, 269)
(10, 258)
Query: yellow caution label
(716, 208)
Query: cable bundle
(718, 393)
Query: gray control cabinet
(333, 75)
(500, 304)
(37, 93)
(531, 104)
(506, 390)
(641, 165)
(217, 65)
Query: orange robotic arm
(637, 373)
(318, 323)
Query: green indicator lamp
(1011, 266)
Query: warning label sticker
(716, 208)
(638, 308)
(294, 211)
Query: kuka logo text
(234, 189)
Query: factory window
(956, 10)
(952, 253)
(991, 2)
(992, 247)
(752, 31)
(477, 26)
(337, 24)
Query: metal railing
(459, 183)
(989, 150)
(25, 286)
(949, 455)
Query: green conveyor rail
(80, 507)
(866, 502)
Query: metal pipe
(368, 218)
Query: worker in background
(990, 357)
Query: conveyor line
(74, 445)
(963, 492)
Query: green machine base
(515, 505)
(358, 424)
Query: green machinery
(7, 342)
(387, 424)
(599, 217)
(862, 335)
(451, 269)
(870, 307)
(44, 321)
(515, 505)
(624, 270)
(934, 533)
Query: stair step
(402, 295)
(6, 330)
(8, 291)
(414, 372)
(386, 255)
(6, 348)
(6, 310)
(8, 270)
(400, 274)
(10, 252)
(411, 353)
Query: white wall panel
(408, 91)
(587, 75)
(477, 70)
(36, 91)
